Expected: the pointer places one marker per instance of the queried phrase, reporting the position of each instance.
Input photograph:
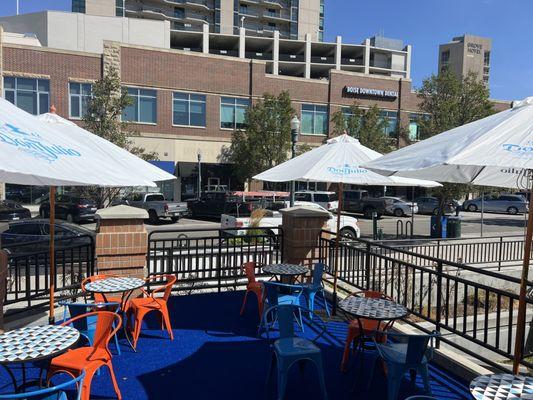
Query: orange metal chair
(252, 286)
(139, 307)
(90, 359)
(369, 326)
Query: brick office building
(188, 100)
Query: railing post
(439, 300)
(219, 261)
(367, 266)
(500, 255)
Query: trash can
(433, 229)
(453, 227)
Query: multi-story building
(466, 54)
(189, 98)
(293, 19)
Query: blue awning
(167, 166)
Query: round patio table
(371, 308)
(32, 344)
(502, 387)
(124, 285)
(285, 269)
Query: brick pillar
(121, 241)
(301, 233)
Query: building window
(445, 57)
(78, 6)
(188, 109)
(486, 58)
(414, 133)
(31, 95)
(144, 106)
(314, 119)
(244, 9)
(321, 23)
(179, 13)
(119, 8)
(391, 117)
(232, 112)
(79, 96)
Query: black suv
(71, 208)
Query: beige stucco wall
(308, 18)
(226, 17)
(100, 7)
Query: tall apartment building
(467, 53)
(292, 18)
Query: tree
(266, 141)
(366, 125)
(108, 101)
(448, 102)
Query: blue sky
(423, 24)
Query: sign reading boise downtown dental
(366, 92)
(33, 144)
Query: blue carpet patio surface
(216, 354)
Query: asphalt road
(493, 225)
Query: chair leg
(166, 319)
(271, 367)
(321, 380)
(86, 383)
(137, 328)
(116, 342)
(114, 380)
(325, 302)
(424, 373)
(311, 303)
(244, 303)
(346, 355)
(300, 318)
(282, 382)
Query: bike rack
(400, 232)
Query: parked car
(36, 232)
(398, 207)
(12, 211)
(359, 201)
(273, 219)
(328, 200)
(215, 203)
(157, 206)
(504, 203)
(70, 208)
(430, 205)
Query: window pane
(197, 97)
(43, 85)
(26, 84)
(146, 92)
(130, 112)
(10, 96)
(197, 114)
(181, 112)
(9, 82)
(181, 96)
(44, 105)
(239, 117)
(413, 131)
(308, 107)
(74, 88)
(227, 116)
(321, 123)
(84, 105)
(86, 89)
(75, 106)
(243, 102)
(148, 110)
(307, 122)
(133, 92)
(227, 100)
(27, 101)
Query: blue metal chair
(281, 294)
(289, 349)
(406, 353)
(87, 326)
(49, 393)
(315, 287)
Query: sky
(424, 24)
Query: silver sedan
(399, 208)
(510, 204)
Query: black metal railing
(469, 305)
(491, 251)
(28, 272)
(211, 258)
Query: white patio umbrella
(338, 161)
(33, 152)
(495, 151)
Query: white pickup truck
(272, 220)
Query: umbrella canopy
(495, 151)
(491, 152)
(33, 152)
(337, 161)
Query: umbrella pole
(337, 242)
(52, 252)
(521, 319)
(412, 211)
(482, 208)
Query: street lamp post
(199, 174)
(295, 128)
